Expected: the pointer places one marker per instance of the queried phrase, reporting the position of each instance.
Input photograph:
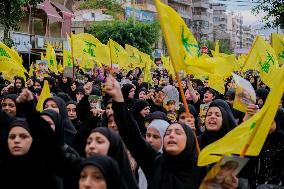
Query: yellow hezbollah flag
(67, 58)
(262, 58)
(118, 54)
(277, 42)
(8, 65)
(251, 133)
(200, 65)
(51, 58)
(45, 94)
(102, 54)
(180, 42)
(134, 58)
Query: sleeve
(142, 152)
(83, 108)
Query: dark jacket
(162, 171)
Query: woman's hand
(25, 96)
(113, 89)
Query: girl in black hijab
(115, 150)
(59, 105)
(176, 167)
(27, 162)
(129, 98)
(105, 167)
(182, 116)
(261, 96)
(141, 109)
(216, 125)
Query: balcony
(183, 2)
(202, 3)
(185, 14)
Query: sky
(245, 7)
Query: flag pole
(172, 50)
(186, 106)
(72, 54)
(111, 71)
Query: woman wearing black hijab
(216, 125)
(128, 92)
(140, 110)
(116, 150)
(176, 167)
(28, 159)
(59, 105)
(105, 167)
(182, 117)
(261, 96)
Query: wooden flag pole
(72, 54)
(186, 107)
(111, 71)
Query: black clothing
(209, 137)
(195, 115)
(162, 171)
(108, 167)
(138, 106)
(118, 153)
(125, 91)
(69, 129)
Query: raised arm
(142, 152)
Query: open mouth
(172, 142)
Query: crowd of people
(112, 130)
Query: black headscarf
(138, 106)
(56, 118)
(125, 92)
(69, 129)
(262, 93)
(232, 123)
(209, 137)
(156, 115)
(179, 171)
(195, 115)
(28, 170)
(118, 153)
(108, 167)
(16, 90)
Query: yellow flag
(102, 54)
(217, 83)
(51, 58)
(216, 52)
(31, 71)
(200, 65)
(168, 65)
(8, 64)
(180, 42)
(60, 68)
(277, 42)
(262, 58)
(252, 132)
(45, 94)
(118, 54)
(67, 59)
(134, 58)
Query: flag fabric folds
(262, 58)
(45, 94)
(277, 43)
(180, 42)
(51, 58)
(252, 132)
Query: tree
(224, 46)
(111, 7)
(274, 10)
(142, 35)
(11, 13)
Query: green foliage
(11, 14)
(111, 6)
(142, 35)
(274, 10)
(224, 46)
